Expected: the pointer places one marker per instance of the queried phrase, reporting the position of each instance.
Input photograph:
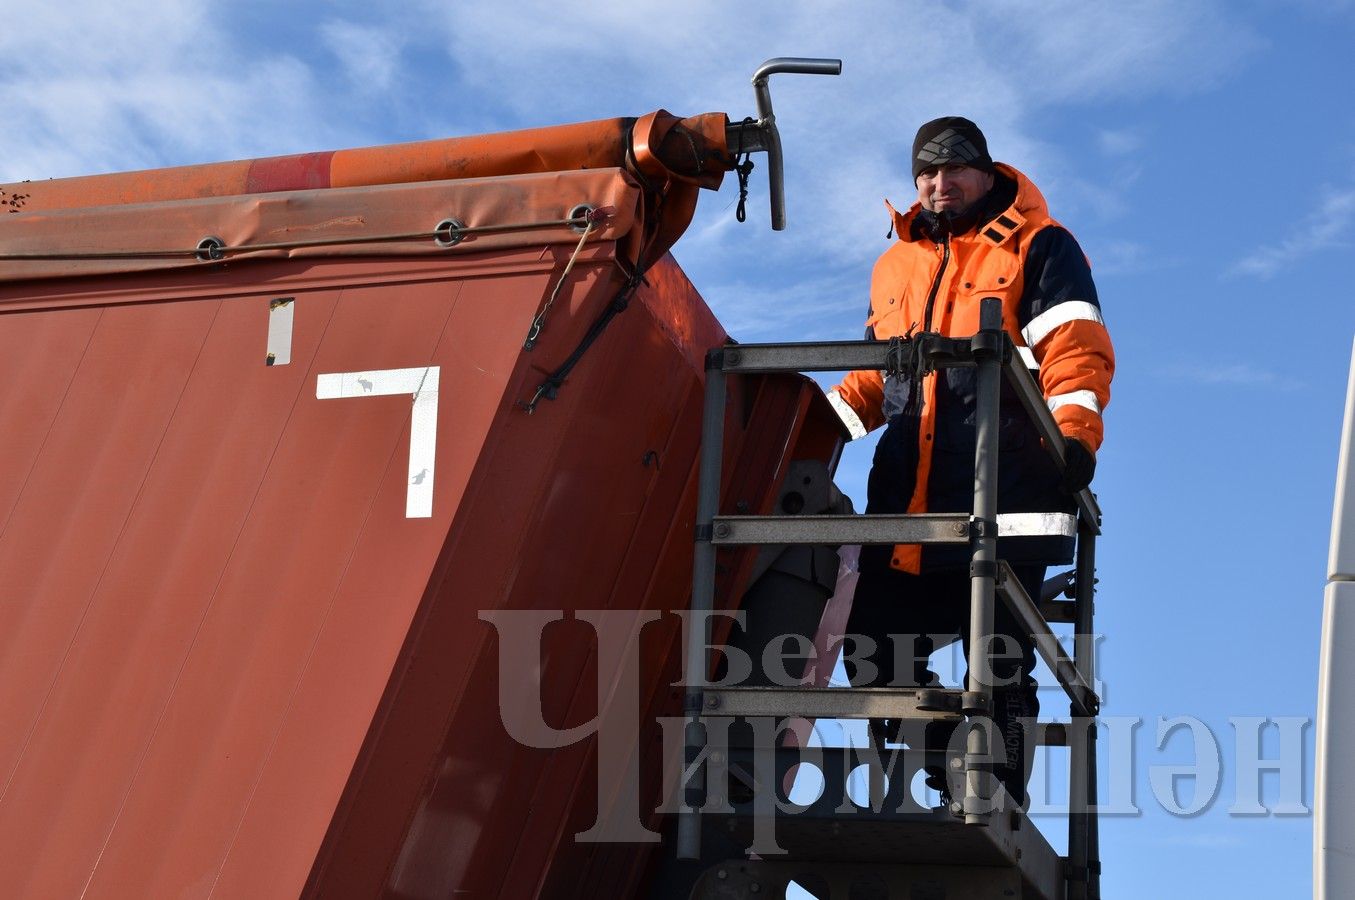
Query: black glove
(1079, 465)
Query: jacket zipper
(936, 284)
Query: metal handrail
(1064, 667)
(992, 351)
(838, 356)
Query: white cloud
(847, 138)
(1119, 142)
(1119, 257)
(1327, 227)
(84, 38)
(369, 54)
(146, 83)
(155, 118)
(150, 81)
(90, 87)
(1076, 51)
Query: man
(978, 229)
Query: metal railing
(991, 351)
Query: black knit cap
(950, 140)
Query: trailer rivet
(722, 530)
(961, 528)
(712, 702)
(722, 874)
(957, 763)
(733, 357)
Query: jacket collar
(995, 226)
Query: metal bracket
(987, 345)
(982, 528)
(1052, 734)
(974, 703)
(988, 569)
(934, 700)
(1080, 873)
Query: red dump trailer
(281, 438)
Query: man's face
(951, 188)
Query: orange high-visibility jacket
(1018, 253)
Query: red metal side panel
(611, 421)
(572, 490)
(231, 665)
(76, 501)
(208, 572)
(595, 494)
(48, 351)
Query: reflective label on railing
(1037, 524)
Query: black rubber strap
(550, 388)
(984, 569)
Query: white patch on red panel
(281, 312)
(422, 384)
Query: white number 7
(422, 383)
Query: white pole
(1333, 787)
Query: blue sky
(1203, 153)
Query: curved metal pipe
(795, 65)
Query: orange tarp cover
(49, 232)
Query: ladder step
(828, 881)
(923, 528)
(917, 528)
(835, 703)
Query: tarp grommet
(211, 248)
(449, 233)
(579, 217)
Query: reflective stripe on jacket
(925, 461)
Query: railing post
(1083, 852)
(703, 601)
(987, 347)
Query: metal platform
(894, 834)
(740, 879)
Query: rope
(743, 169)
(593, 216)
(907, 358)
(196, 252)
